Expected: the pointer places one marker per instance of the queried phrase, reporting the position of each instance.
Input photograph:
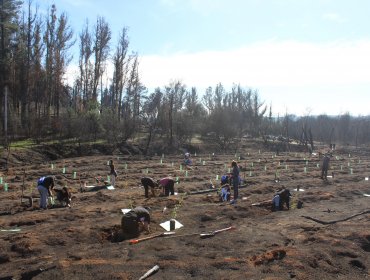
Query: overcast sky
(302, 56)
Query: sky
(303, 57)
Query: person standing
(325, 167)
(149, 182)
(45, 186)
(235, 174)
(112, 173)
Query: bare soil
(83, 242)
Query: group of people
(233, 179)
(45, 186)
(138, 219)
(167, 184)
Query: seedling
(177, 207)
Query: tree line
(36, 50)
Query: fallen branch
(335, 221)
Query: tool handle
(206, 235)
(224, 229)
(213, 233)
(135, 241)
(150, 272)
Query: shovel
(213, 233)
(135, 241)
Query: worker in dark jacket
(325, 166)
(135, 221)
(45, 186)
(282, 197)
(149, 182)
(63, 195)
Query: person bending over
(167, 184)
(149, 182)
(135, 221)
(44, 186)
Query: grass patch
(22, 144)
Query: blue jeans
(44, 195)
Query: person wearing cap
(325, 166)
(167, 184)
(149, 182)
(44, 186)
(225, 188)
(187, 160)
(135, 221)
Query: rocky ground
(314, 242)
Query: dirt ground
(81, 242)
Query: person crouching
(135, 221)
(63, 196)
(225, 188)
(282, 197)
